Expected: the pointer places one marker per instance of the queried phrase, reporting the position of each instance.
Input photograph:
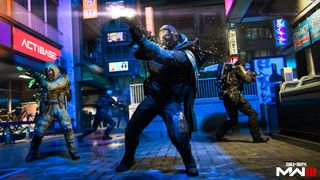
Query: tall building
(35, 32)
(120, 66)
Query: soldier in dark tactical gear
(173, 67)
(53, 104)
(232, 81)
(102, 105)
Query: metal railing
(136, 93)
(22, 15)
(207, 88)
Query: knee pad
(68, 130)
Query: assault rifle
(34, 82)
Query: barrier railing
(207, 88)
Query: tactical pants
(170, 111)
(44, 121)
(97, 120)
(232, 110)
(120, 117)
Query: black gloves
(136, 34)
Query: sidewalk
(156, 159)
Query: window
(37, 8)
(248, 33)
(256, 53)
(52, 13)
(254, 33)
(23, 3)
(268, 33)
(262, 33)
(258, 33)
(263, 53)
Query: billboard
(301, 36)
(118, 66)
(5, 31)
(34, 47)
(314, 24)
(281, 32)
(116, 37)
(90, 9)
(268, 71)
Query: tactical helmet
(168, 36)
(51, 71)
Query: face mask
(49, 73)
(167, 38)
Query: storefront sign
(314, 25)
(118, 66)
(5, 31)
(34, 47)
(228, 5)
(268, 75)
(301, 36)
(281, 33)
(149, 20)
(90, 9)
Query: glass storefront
(14, 93)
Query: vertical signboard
(281, 32)
(5, 34)
(149, 20)
(233, 42)
(90, 9)
(34, 47)
(301, 36)
(314, 23)
(268, 75)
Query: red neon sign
(232, 59)
(34, 47)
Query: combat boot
(189, 163)
(75, 156)
(261, 140)
(107, 138)
(125, 165)
(35, 143)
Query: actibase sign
(34, 47)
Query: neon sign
(280, 30)
(90, 9)
(149, 20)
(34, 47)
(228, 5)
